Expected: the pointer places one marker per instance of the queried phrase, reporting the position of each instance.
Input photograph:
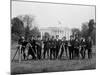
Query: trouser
(71, 52)
(76, 52)
(46, 50)
(23, 52)
(89, 53)
(52, 53)
(57, 51)
(39, 52)
(82, 52)
(66, 47)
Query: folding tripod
(61, 52)
(19, 53)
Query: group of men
(53, 48)
(79, 46)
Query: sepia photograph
(52, 37)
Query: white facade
(53, 31)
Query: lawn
(37, 66)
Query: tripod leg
(33, 51)
(20, 54)
(15, 54)
(59, 53)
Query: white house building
(53, 31)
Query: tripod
(19, 53)
(62, 49)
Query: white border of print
(5, 36)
